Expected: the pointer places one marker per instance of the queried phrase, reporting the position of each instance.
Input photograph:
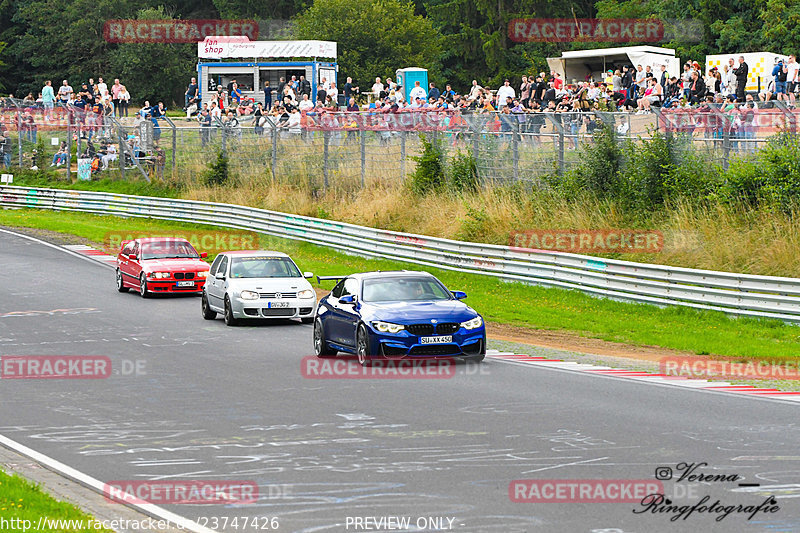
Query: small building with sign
(251, 63)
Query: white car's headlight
(202, 274)
(159, 275)
(472, 324)
(387, 327)
(305, 293)
(249, 295)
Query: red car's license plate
(184, 284)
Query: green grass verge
(56, 180)
(700, 332)
(22, 500)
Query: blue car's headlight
(387, 327)
(472, 324)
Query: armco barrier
(736, 294)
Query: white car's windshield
(404, 289)
(263, 267)
(168, 250)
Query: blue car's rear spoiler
(326, 278)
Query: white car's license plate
(185, 283)
(436, 340)
(277, 305)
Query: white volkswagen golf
(257, 284)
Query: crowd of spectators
(637, 89)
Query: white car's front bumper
(262, 308)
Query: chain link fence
(352, 150)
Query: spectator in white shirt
(418, 92)
(306, 104)
(475, 92)
(792, 77)
(215, 111)
(641, 77)
(102, 88)
(377, 88)
(505, 92)
(293, 124)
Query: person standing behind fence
(48, 98)
(204, 117)
(503, 93)
(64, 92)
(305, 86)
(5, 145)
(259, 120)
(116, 88)
(377, 89)
(191, 93)
(741, 78)
(779, 73)
(124, 100)
(267, 96)
(525, 91)
(792, 69)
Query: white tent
(575, 65)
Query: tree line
(457, 40)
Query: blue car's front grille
(447, 328)
(420, 329)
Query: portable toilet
(408, 76)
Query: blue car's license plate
(436, 340)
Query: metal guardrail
(735, 294)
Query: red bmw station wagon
(160, 265)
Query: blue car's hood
(413, 312)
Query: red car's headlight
(202, 274)
(158, 275)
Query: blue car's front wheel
(362, 345)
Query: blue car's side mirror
(349, 299)
(459, 295)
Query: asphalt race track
(209, 402)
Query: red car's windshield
(168, 250)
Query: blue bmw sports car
(397, 314)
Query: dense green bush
(463, 172)
(218, 170)
(429, 175)
(600, 165)
(643, 173)
(771, 177)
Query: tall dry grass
(720, 237)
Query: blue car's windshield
(263, 267)
(396, 289)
